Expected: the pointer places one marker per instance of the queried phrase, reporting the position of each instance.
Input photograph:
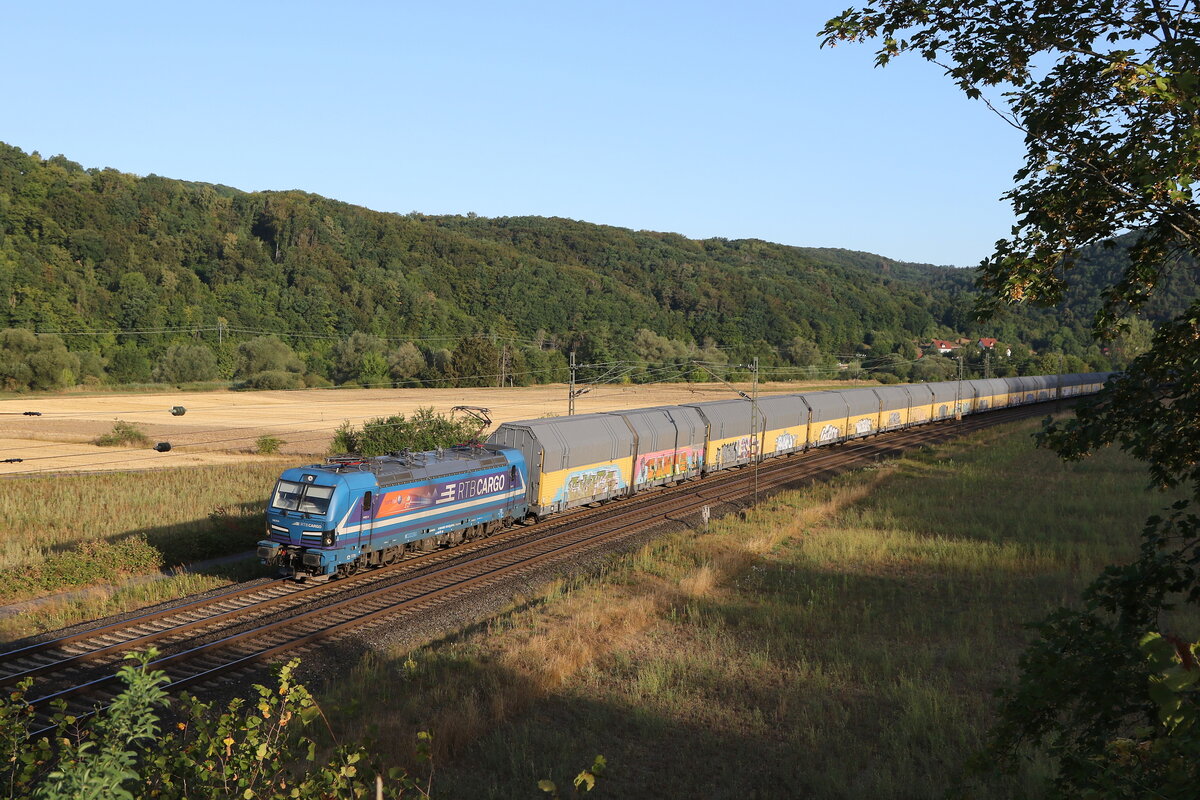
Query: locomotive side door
(368, 521)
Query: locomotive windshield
(309, 498)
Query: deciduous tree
(1107, 96)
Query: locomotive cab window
(287, 495)
(316, 499)
(307, 498)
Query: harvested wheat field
(222, 427)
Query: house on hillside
(988, 344)
(942, 346)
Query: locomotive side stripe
(432, 511)
(407, 524)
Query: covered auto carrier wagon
(1073, 385)
(668, 443)
(922, 403)
(572, 460)
(728, 432)
(786, 424)
(863, 419)
(1021, 390)
(827, 414)
(967, 396)
(894, 405)
(1094, 381)
(999, 392)
(945, 395)
(989, 393)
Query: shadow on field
(648, 756)
(225, 531)
(823, 685)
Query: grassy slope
(844, 641)
(72, 531)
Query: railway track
(205, 640)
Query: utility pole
(571, 389)
(987, 363)
(754, 448)
(572, 392)
(958, 388)
(753, 398)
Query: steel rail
(413, 561)
(565, 536)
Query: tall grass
(103, 601)
(73, 530)
(843, 641)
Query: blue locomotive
(361, 512)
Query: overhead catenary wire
(325, 428)
(617, 371)
(390, 384)
(224, 430)
(613, 375)
(193, 329)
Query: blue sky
(708, 119)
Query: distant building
(988, 344)
(942, 346)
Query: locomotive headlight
(327, 538)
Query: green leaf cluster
(1108, 226)
(423, 430)
(276, 745)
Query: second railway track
(203, 640)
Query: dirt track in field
(222, 427)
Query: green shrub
(424, 429)
(269, 746)
(268, 445)
(123, 434)
(273, 379)
(91, 563)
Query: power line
(325, 429)
(221, 329)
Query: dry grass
(843, 641)
(84, 530)
(102, 601)
(43, 516)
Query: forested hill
(100, 250)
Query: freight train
(351, 512)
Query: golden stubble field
(222, 427)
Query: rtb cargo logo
(473, 487)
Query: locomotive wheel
(389, 556)
(348, 569)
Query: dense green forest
(153, 279)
